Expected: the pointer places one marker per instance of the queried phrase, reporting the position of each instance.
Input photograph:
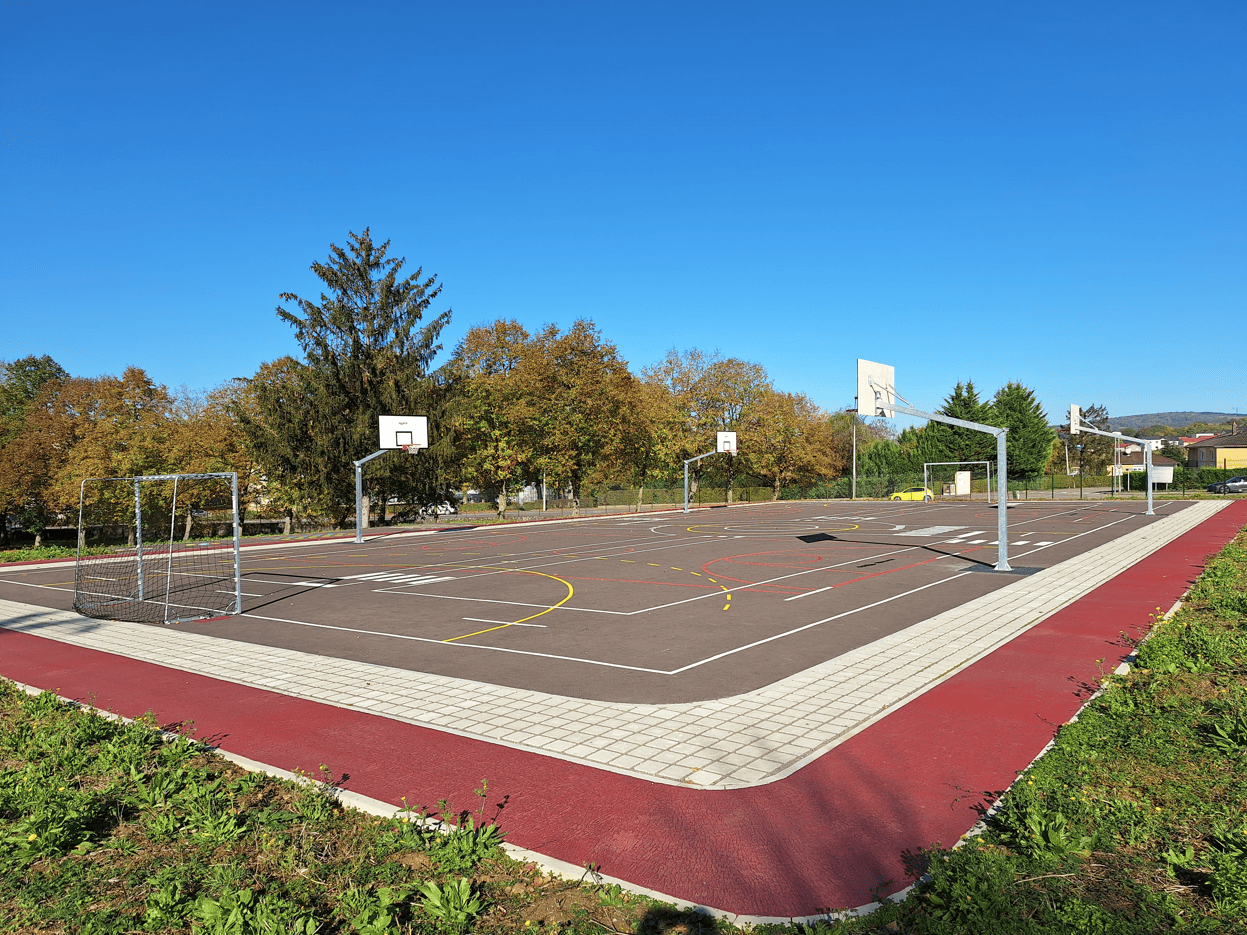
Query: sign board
(397, 431)
(876, 389)
(726, 441)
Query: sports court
(652, 609)
(867, 686)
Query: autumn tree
(26, 455)
(366, 353)
(712, 394)
(787, 438)
(495, 422)
(588, 399)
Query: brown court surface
(646, 609)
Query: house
(1162, 467)
(1219, 451)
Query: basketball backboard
(726, 441)
(876, 389)
(1075, 419)
(403, 431)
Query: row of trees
(508, 407)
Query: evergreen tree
(943, 442)
(1029, 442)
(366, 353)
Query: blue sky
(1051, 193)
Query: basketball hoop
(410, 449)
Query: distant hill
(1176, 420)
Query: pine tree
(366, 353)
(943, 442)
(1029, 442)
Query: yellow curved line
(570, 592)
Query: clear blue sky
(1052, 193)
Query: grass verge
(46, 552)
(1134, 822)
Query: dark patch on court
(646, 609)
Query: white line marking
(797, 597)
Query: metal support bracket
(359, 491)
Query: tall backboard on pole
(726, 442)
(876, 389)
(403, 432)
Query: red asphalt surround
(822, 837)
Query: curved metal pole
(359, 492)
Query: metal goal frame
(142, 596)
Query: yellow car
(914, 493)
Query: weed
(242, 912)
(452, 903)
(613, 896)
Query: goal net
(963, 480)
(158, 549)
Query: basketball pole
(1002, 503)
(1077, 428)
(359, 491)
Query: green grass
(46, 552)
(1134, 822)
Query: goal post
(153, 567)
(929, 475)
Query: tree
(366, 354)
(1029, 442)
(787, 438)
(940, 441)
(584, 403)
(494, 424)
(26, 456)
(712, 393)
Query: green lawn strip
(47, 552)
(107, 826)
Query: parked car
(914, 493)
(1233, 485)
(444, 508)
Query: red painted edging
(822, 837)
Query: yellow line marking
(628, 560)
(523, 571)
(697, 573)
(655, 564)
(673, 568)
(477, 633)
(712, 581)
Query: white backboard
(726, 442)
(876, 389)
(1075, 419)
(397, 431)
